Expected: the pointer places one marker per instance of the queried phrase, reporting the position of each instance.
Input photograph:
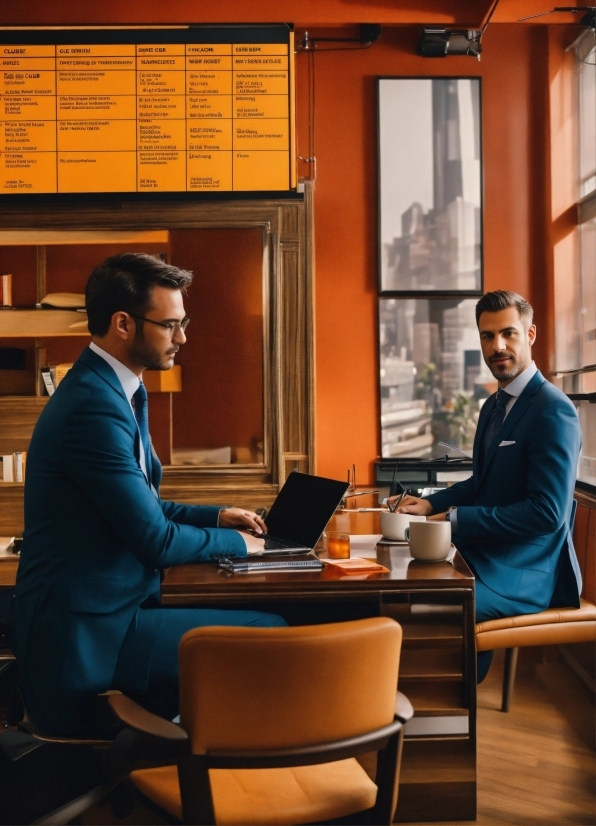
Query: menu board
(165, 111)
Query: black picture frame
(430, 186)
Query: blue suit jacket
(96, 537)
(515, 513)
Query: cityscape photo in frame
(430, 186)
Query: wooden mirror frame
(288, 367)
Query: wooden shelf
(42, 323)
(18, 417)
(433, 697)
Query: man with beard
(512, 520)
(87, 614)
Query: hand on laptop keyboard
(242, 520)
(254, 544)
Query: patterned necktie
(497, 417)
(142, 417)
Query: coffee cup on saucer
(430, 541)
(393, 525)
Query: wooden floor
(536, 764)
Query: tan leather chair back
(247, 688)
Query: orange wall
(513, 72)
(514, 69)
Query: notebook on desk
(300, 513)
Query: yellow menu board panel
(211, 135)
(38, 84)
(97, 82)
(161, 49)
(95, 50)
(94, 63)
(261, 170)
(263, 134)
(209, 49)
(28, 51)
(28, 136)
(27, 64)
(27, 107)
(27, 172)
(260, 64)
(158, 134)
(156, 63)
(93, 107)
(208, 106)
(161, 106)
(97, 135)
(209, 171)
(147, 116)
(259, 48)
(161, 82)
(209, 82)
(261, 83)
(162, 171)
(260, 106)
(220, 64)
(97, 171)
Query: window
(583, 380)
(432, 376)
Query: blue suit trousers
(147, 666)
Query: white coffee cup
(393, 525)
(429, 540)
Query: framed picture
(433, 379)
(430, 186)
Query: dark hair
(501, 300)
(125, 283)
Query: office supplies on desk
(458, 449)
(265, 566)
(356, 565)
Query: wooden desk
(434, 602)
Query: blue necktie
(497, 417)
(142, 417)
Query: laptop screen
(303, 507)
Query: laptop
(300, 513)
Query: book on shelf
(5, 290)
(13, 466)
(48, 381)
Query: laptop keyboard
(277, 544)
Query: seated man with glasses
(97, 535)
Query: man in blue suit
(87, 615)
(512, 519)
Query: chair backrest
(270, 688)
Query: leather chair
(556, 626)
(270, 722)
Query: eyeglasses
(173, 326)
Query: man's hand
(239, 518)
(413, 505)
(254, 545)
(438, 517)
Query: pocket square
(506, 444)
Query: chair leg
(509, 677)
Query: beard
(507, 370)
(150, 357)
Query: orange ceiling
(301, 12)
